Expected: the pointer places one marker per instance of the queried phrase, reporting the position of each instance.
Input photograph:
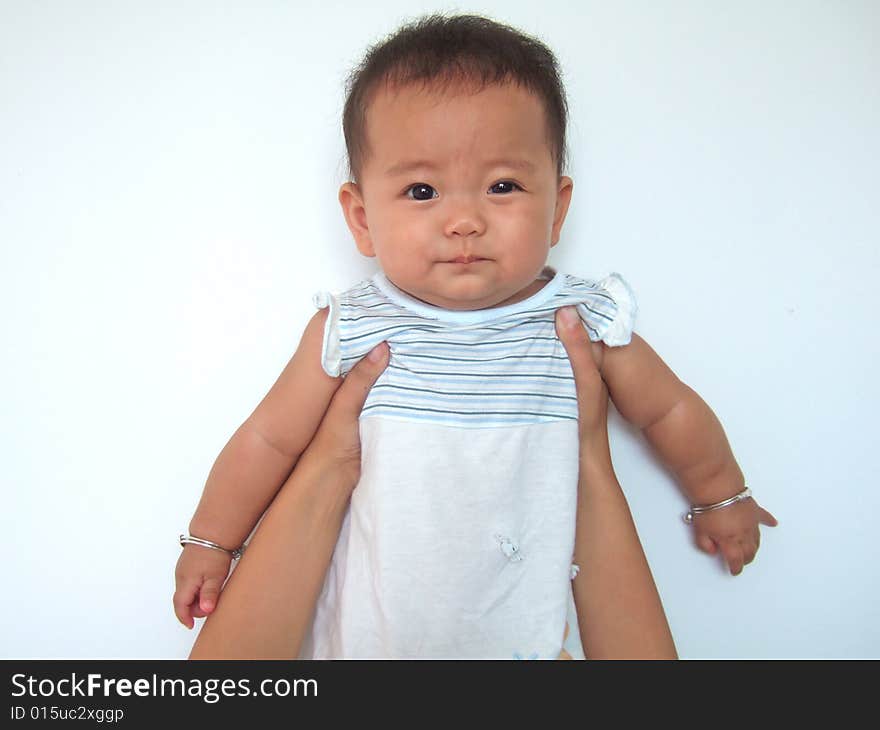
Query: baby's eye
(506, 185)
(420, 191)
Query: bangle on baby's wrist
(193, 540)
(697, 509)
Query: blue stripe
(521, 357)
(477, 414)
(481, 375)
(452, 343)
(561, 386)
(474, 394)
(438, 419)
(408, 335)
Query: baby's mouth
(465, 260)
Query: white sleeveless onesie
(458, 539)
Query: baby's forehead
(473, 124)
(440, 93)
(390, 109)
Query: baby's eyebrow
(412, 165)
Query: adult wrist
(331, 477)
(598, 478)
(595, 459)
(315, 497)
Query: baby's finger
(349, 400)
(733, 555)
(706, 544)
(750, 549)
(765, 518)
(196, 610)
(183, 599)
(209, 594)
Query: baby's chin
(468, 296)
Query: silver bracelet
(697, 509)
(191, 540)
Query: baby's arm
(251, 468)
(689, 440)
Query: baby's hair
(440, 51)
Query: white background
(168, 180)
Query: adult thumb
(349, 400)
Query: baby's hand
(199, 576)
(734, 531)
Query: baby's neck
(525, 293)
(545, 277)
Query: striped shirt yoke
(496, 367)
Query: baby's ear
(563, 199)
(355, 213)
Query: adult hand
(335, 450)
(592, 393)
(620, 615)
(267, 604)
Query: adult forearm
(267, 604)
(620, 614)
(243, 480)
(690, 441)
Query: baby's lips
(466, 259)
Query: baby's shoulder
(356, 321)
(607, 306)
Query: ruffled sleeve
(609, 314)
(331, 350)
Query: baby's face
(459, 197)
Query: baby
(459, 537)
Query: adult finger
(576, 341)
(589, 385)
(349, 400)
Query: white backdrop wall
(168, 179)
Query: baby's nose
(465, 219)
